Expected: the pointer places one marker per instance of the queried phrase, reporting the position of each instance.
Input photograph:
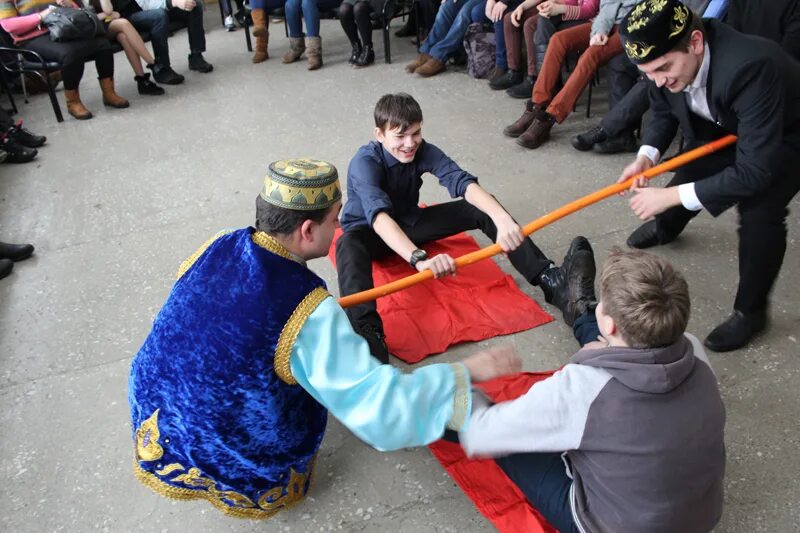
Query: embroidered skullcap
(301, 184)
(653, 28)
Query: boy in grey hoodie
(628, 436)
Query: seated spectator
(11, 253)
(17, 145)
(445, 38)
(597, 42)
(122, 31)
(241, 14)
(357, 25)
(23, 20)
(494, 11)
(538, 26)
(260, 8)
(778, 20)
(312, 46)
(153, 16)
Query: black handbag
(72, 24)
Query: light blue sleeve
(383, 406)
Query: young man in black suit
(710, 80)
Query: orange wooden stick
(539, 223)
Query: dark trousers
(156, 23)
(628, 97)
(358, 247)
(73, 54)
(762, 225)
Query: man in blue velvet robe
(231, 390)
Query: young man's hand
(509, 234)
(648, 202)
(598, 39)
(440, 265)
(641, 164)
(493, 363)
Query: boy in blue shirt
(382, 216)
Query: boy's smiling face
(402, 145)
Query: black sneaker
(196, 62)
(376, 340)
(507, 80)
(145, 86)
(20, 135)
(16, 153)
(586, 141)
(164, 74)
(523, 89)
(622, 143)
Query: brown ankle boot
(418, 62)
(110, 97)
(537, 133)
(74, 105)
(431, 67)
(259, 23)
(261, 54)
(532, 111)
(314, 52)
(296, 48)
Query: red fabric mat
(495, 496)
(479, 303)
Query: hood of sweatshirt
(652, 370)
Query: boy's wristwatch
(417, 256)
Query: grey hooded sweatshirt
(641, 431)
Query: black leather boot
(15, 252)
(366, 58)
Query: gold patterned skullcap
(653, 28)
(301, 184)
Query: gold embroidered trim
(186, 265)
(460, 398)
(269, 243)
(283, 350)
(248, 509)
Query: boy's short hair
(277, 220)
(647, 298)
(398, 110)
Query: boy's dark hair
(281, 221)
(696, 24)
(647, 298)
(398, 110)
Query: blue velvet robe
(214, 415)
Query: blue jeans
(310, 12)
(500, 59)
(447, 35)
(267, 5)
(156, 22)
(585, 328)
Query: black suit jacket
(778, 20)
(753, 91)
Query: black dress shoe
(15, 252)
(622, 143)
(570, 287)
(376, 341)
(506, 81)
(585, 141)
(736, 331)
(24, 137)
(15, 152)
(648, 235)
(523, 89)
(6, 266)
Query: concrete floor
(116, 203)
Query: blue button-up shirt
(376, 182)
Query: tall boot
(296, 48)
(261, 55)
(259, 22)
(74, 105)
(110, 97)
(314, 52)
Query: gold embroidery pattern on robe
(147, 446)
(283, 350)
(460, 398)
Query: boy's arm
(509, 234)
(550, 417)
(381, 405)
(391, 233)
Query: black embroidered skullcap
(653, 28)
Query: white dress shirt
(697, 100)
